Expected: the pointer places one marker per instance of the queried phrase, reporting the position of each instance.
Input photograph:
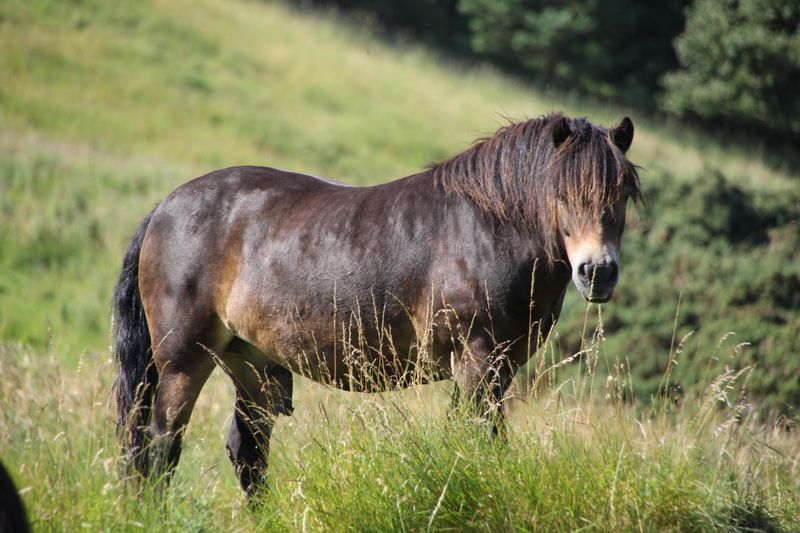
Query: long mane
(519, 176)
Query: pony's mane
(518, 175)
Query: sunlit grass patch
(579, 454)
(403, 461)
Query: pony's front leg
(261, 395)
(482, 379)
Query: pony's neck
(523, 250)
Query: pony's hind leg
(178, 389)
(262, 393)
(184, 363)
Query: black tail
(137, 380)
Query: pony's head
(596, 181)
(563, 182)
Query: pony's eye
(564, 224)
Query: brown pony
(270, 273)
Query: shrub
(615, 49)
(731, 256)
(740, 65)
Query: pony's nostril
(583, 270)
(614, 273)
(605, 272)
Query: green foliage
(612, 49)
(731, 256)
(740, 65)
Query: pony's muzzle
(596, 281)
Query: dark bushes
(733, 257)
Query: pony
(12, 512)
(270, 273)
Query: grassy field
(396, 461)
(105, 107)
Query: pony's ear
(560, 131)
(622, 135)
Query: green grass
(397, 461)
(105, 107)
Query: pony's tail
(137, 379)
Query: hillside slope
(106, 107)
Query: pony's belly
(356, 357)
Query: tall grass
(579, 454)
